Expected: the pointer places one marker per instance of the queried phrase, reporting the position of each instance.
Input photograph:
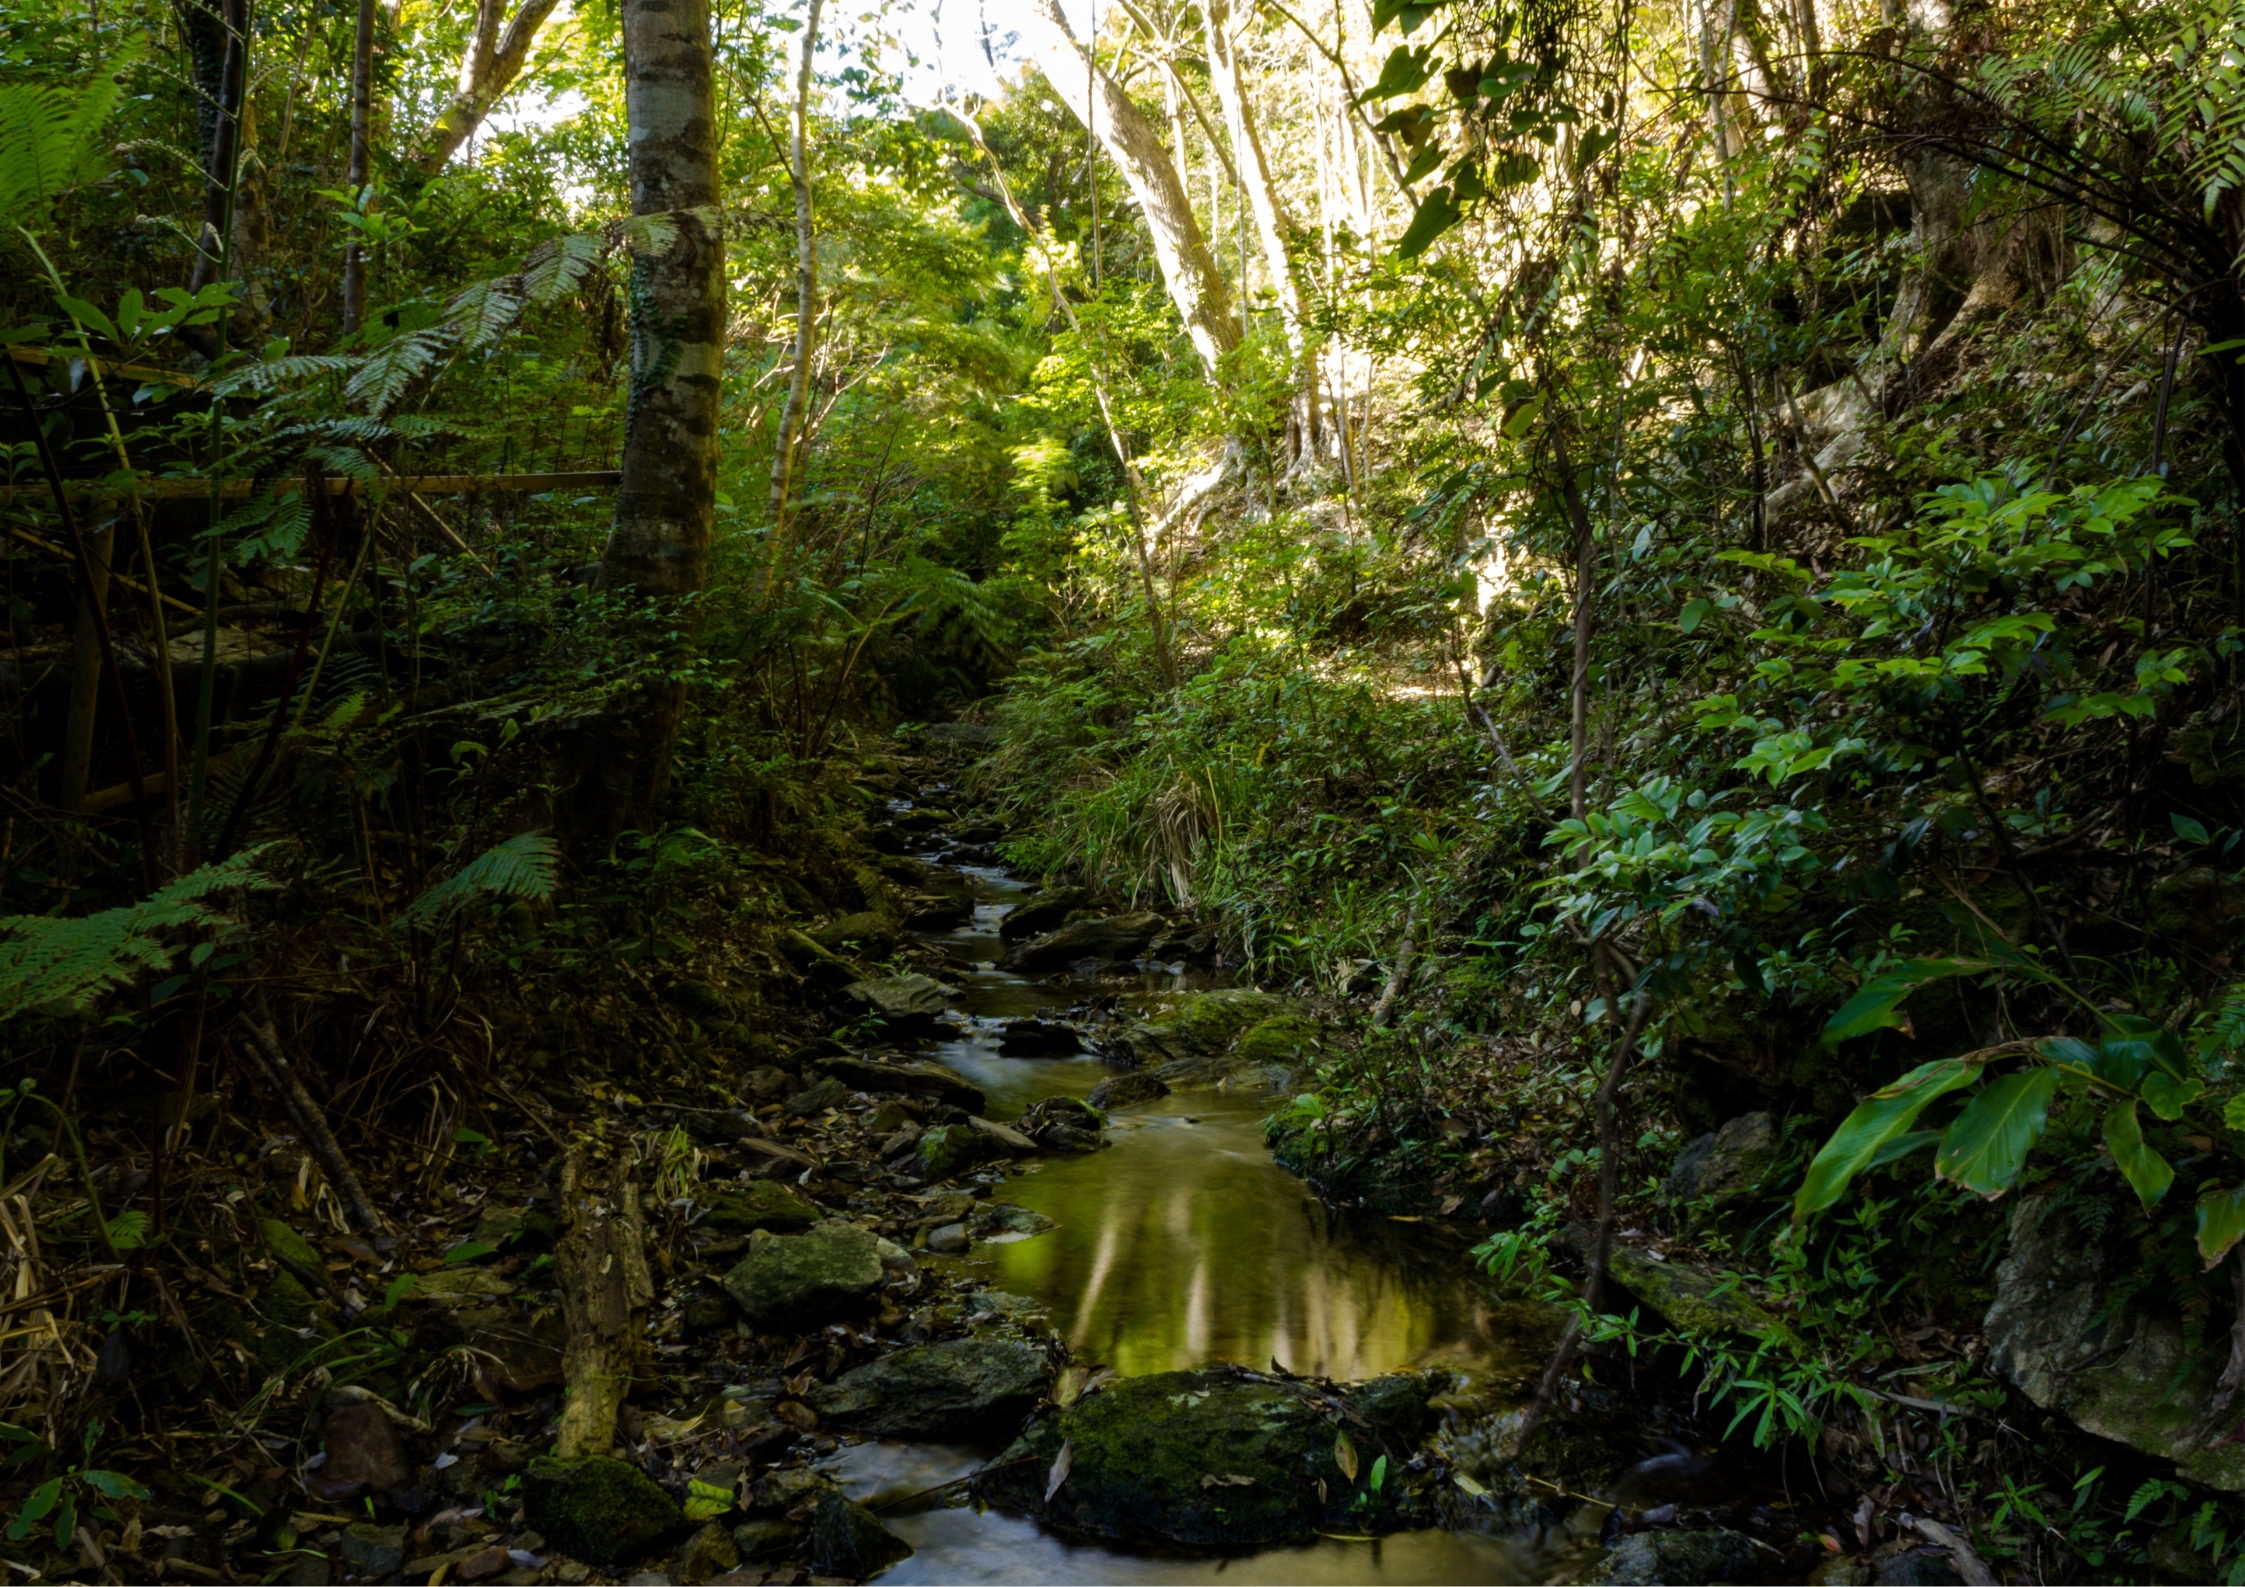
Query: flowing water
(1183, 1244)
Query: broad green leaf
(396, 1292)
(1878, 1119)
(2233, 1112)
(2132, 1040)
(35, 1509)
(2187, 829)
(2221, 1221)
(706, 1501)
(1694, 613)
(1436, 215)
(1988, 1145)
(115, 1484)
(2167, 1098)
(2143, 1168)
(1902, 1146)
(1874, 1007)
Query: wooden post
(601, 1262)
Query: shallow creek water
(1182, 1245)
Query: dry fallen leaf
(1061, 1465)
(1451, 1204)
(1344, 1455)
(1069, 1386)
(1230, 1479)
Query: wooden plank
(338, 485)
(146, 374)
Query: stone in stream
(759, 1204)
(1002, 1220)
(865, 931)
(1107, 938)
(937, 911)
(933, 1082)
(598, 1509)
(847, 1541)
(1040, 913)
(1215, 1458)
(1039, 1038)
(1004, 1136)
(815, 963)
(795, 1282)
(1123, 1091)
(948, 1239)
(709, 1552)
(905, 1003)
(1681, 1559)
(949, 1149)
(954, 1390)
(1188, 1038)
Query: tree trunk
(600, 1262)
(658, 545)
(488, 69)
(85, 664)
(218, 40)
(784, 445)
(1134, 144)
(362, 135)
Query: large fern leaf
(524, 866)
(51, 965)
(47, 142)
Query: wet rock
(937, 911)
(816, 964)
(765, 1538)
(767, 1084)
(934, 1082)
(373, 1552)
(1107, 938)
(908, 1003)
(1202, 1458)
(597, 1508)
(1692, 1296)
(1038, 1038)
(767, 1159)
(1187, 1037)
(709, 1552)
(995, 1305)
(1003, 1220)
(949, 1149)
(1724, 1163)
(847, 1541)
(863, 932)
(817, 1098)
(759, 1204)
(458, 1286)
(1003, 1136)
(2122, 1373)
(1681, 1559)
(1277, 1043)
(1124, 1091)
(953, 1390)
(800, 1281)
(1041, 912)
(1068, 1111)
(363, 1452)
(948, 1239)
(484, 1564)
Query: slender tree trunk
(218, 39)
(1134, 144)
(785, 447)
(489, 68)
(659, 543)
(85, 668)
(362, 136)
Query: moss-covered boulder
(1691, 1296)
(1681, 1559)
(760, 1204)
(295, 1253)
(597, 1509)
(1279, 1042)
(863, 932)
(803, 1281)
(816, 963)
(904, 1003)
(1106, 939)
(1212, 1458)
(951, 1149)
(1190, 1038)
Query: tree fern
(51, 965)
(524, 866)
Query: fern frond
(524, 866)
(555, 267)
(47, 141)
(55, 965)
(384, 377)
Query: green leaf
(35, 1509)
(2233, 1112)
(2132, 1042)
(2188, 830)
(1988, 1144)
(1874, 1007)
(706, 1501)
(1436, 215)
(2221, 1221)
(469, 1251)
(2142, 1167)
(2167, 1097)
(1404, 72)
(1694, 613)
(1878, 1119)
(396, 1292)
(1902, 1146)
(115, 1484)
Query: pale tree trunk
(489, 68)
(658, 545)
(362, 138)
(1134, 144)
(788, 442)
(600, 1262)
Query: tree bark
(658, 545)
(85, 663)
(487, 70)
(601, 1264)
(785, 444)
(362, 135)
(218, 40)
(1135, 145)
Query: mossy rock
(800, 1281)
(1694, 1298)
(1282, 1040)
(598, 1509)
(760, 1204)
(289, 1310)
(294, 1252)
(1208, 1458)
(950, 1149)
(865, 931)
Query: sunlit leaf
(1988, 1144)
(1881, 1117)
